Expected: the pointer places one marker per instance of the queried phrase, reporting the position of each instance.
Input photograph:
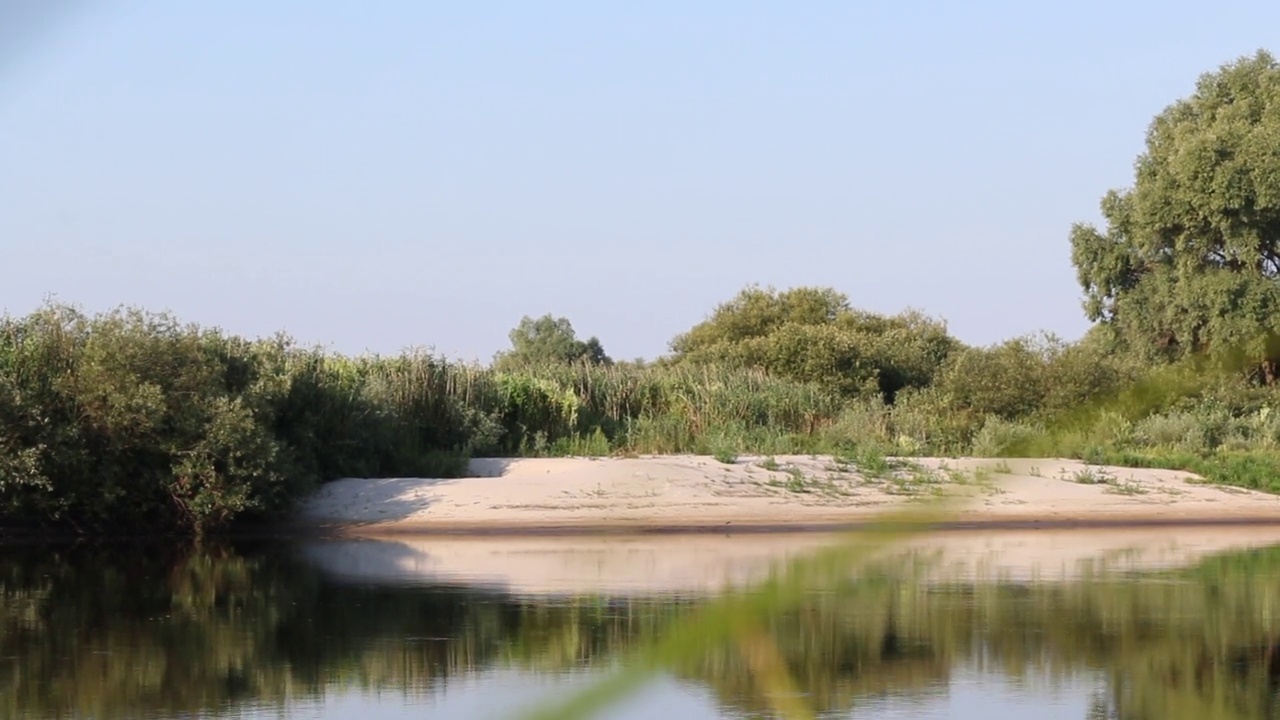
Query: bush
(926, 421)
(1006, 380)
(132, 420)
(1177, 430)
(812, 335)
(1002, 438)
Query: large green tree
(1189, 261)
(813, 335)
(547, 339)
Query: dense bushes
(813, 335)
(131, 420)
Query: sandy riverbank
(687, 493)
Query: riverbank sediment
(689, 493)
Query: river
(1081, 624)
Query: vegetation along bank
(131, 420)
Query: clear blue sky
(370, 176)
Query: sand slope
(700, 493)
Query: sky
(375, 176)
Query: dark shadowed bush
(131, 420)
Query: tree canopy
(812, 334)
(1189, 260)
(548, 339)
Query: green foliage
(1006, 380)
(131, 421)
(1190, 257)
(1031, 376)
(812, 335)
(871, 463)
(726, 456)
(998, 437)
(595, 444)
(757, 313)
(547, 340)
(925, 421)
(1254, 470)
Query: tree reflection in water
(126, 632)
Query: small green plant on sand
(1126, 487)
(1098, 476)
(1091, 476)
(796, 481)
(956, 475)
(868, 462)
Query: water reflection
(706, 564)
(927, 629)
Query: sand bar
(696, 493)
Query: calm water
(1001, 626)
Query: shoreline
(638, 528)
(697, 495)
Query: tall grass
(131, 420)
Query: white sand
(693, 492)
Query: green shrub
(862, 423)
(1006, 380)
(926, 419)
(130, 420)
(1177, 430)
(999, 437)
(812, 335)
